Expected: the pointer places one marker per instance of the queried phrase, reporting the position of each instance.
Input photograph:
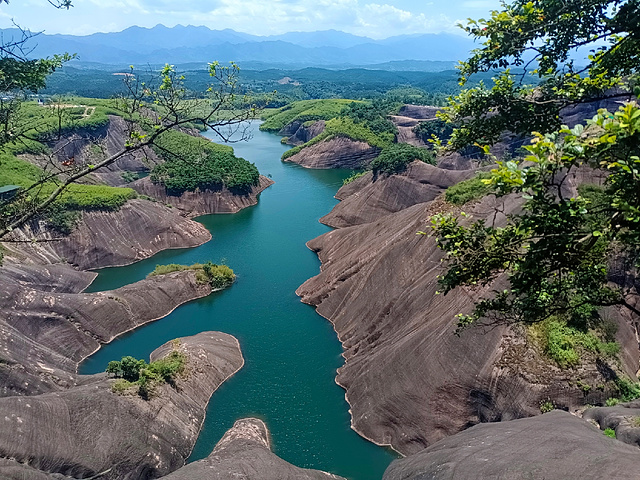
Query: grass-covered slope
(304, 110)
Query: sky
(259, 17)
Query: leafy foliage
(143, 376)
(218, 276)
(353, 176)
(395, 158)
(193, 162)
(610, 432)
(426, 131)
(537, 38)
(469, 190)
(555, 254)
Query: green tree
(569, 252)
(534, 40)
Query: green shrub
(395, 158)
(144, 377)
(353, 176)
(627, 390)
(612, 402)
(566, 344)
(426, 130)
(546, 406)
(129, 177)
(218, 276)
(610, 432)
(469, 190)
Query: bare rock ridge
(89, 430)
(203, 202)
(553, 446)
(244, 453)
(378, 285)
(45, 334)
(408, 118)
(138, 230)
(297, 133)
(336, 152)
(368, 198)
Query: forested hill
(179, 45)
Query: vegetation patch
(137, 377)
(218, 276)
(200, 164)
(469, 190)
(610, 432)
(353, 176)
(304, 111)
(437, 128)
(395, 158)
(567, 345)
(547, 406)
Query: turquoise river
(291, 353)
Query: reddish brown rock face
(337, 152)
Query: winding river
(291, 353)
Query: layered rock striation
(203, 202)
(336, 152)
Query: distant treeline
(427, 88)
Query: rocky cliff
(89, 430)
(244, 452)
(553, 446)
(378, 286)
(45, 333)
(408, 117)
(102, 238)
(336, 152)
(370, 197)
(203, 202)
(297, 133)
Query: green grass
(218, 276)
(353, 176)
(304, 111)
(610, 432)
(469, 190)
(567, 345)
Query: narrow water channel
(291, 353)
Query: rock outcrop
(46, 333)
(378, 286)
(370, 197)
(336, 152)
(138, 230)
(203, 202)
(297, 133)
(553, 446)
(624, 419)
(89, 430)
(244, 453)
(408, 117)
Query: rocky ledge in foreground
(244, 453)
(89, 430)
(203, 202)
(553, 446)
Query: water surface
(291, 353)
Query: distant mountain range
(183, 45)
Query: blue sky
(372, 18)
